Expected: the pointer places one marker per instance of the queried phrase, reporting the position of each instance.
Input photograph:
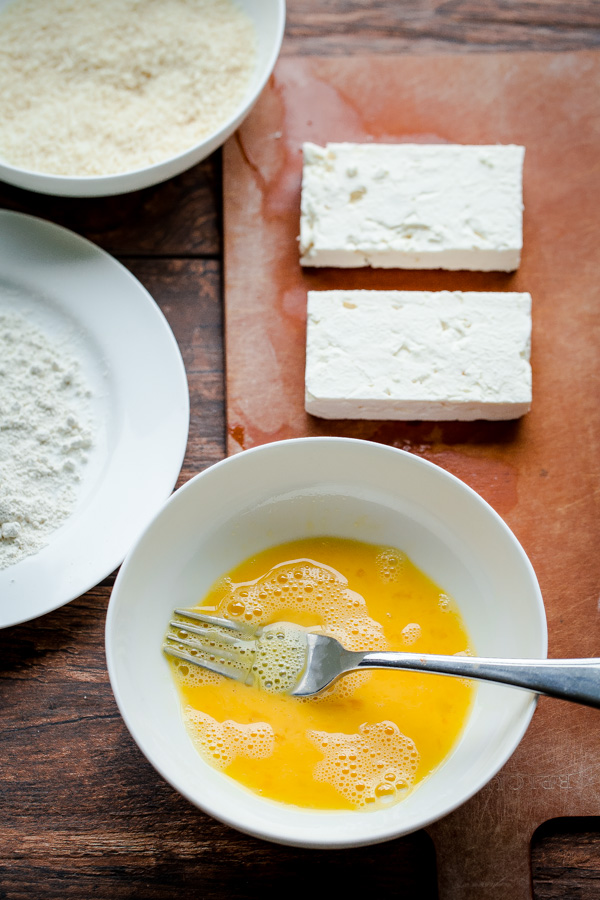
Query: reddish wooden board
(541, 473)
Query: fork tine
(209, 651)
(215, 644)
(235, 674)
(206, 633)
(209, 620)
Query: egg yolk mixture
(367, 740)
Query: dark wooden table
(82, 813)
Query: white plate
(72, 290)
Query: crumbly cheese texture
(94, 87)
(412, 206)
(418, 355)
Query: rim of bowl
(266, 832)
(115, 182)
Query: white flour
(44, 437)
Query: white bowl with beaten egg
(350, 489)
(123, 66)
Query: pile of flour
(45, 436)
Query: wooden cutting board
(541, 473)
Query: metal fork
(212, 643)
(326, 660)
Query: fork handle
(577, 680)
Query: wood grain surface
(82, 812)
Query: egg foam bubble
(281, 654)
(222, 742)
(305, 585)
(375, 766)
(295, 589)
(369, 739)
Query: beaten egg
(369, 739)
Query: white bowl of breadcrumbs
(103, 97)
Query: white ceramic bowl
(269, 19)
(323, 486)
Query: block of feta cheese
(412, 206)
(418, 355)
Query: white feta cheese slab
(418, 355)
(412, 206)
